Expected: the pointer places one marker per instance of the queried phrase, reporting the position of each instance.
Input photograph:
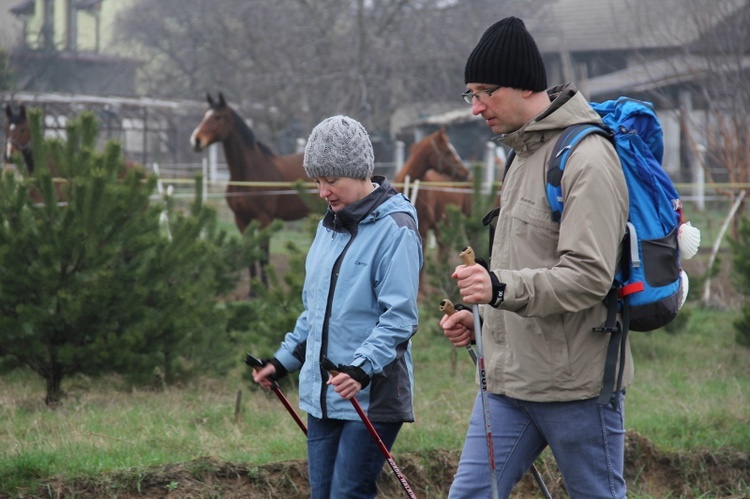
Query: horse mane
(266, 150)
(407, 167)
(248, 135)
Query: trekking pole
(329, 366)
(257, 364)
(446, 306)
(467, 255)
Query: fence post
(205, 181)
(164, 217)
(399, 155)
(212, 161)
(489, 166)
(699, 177)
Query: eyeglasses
(469, 95)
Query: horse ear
(22, 111)
(222, 102)
(209, 99)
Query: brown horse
(18, 140)
(249, 160)
(435, 152)
(432, 202)
(17, 136)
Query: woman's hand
(265, 376)
(345, 385)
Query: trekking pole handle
(257, 365)
(446, 306)
(253, 361)
(467, 255)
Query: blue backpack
(647, 288)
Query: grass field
(692, 394)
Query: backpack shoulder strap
(570, 138)
(487, 221)
(508, 161)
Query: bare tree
(720, 56)
(290, 63)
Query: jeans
(343, 459)
(586, 439)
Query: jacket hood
(568, 107)
(381, 202)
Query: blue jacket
(360, 299)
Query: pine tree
(89, 281)
(741, 278)
(6, 72)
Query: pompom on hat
(339, 146)
(507, 55)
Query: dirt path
(649, 472)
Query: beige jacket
(539, 344)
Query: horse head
(445, 158)
(17, 135)
(216, 125)
(434, 152)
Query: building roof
(599, 25)
(80, 101)
(656, 74)
(454, 117)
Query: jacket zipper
(329, 305)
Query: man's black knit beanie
(507, 55)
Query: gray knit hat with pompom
(339, 147)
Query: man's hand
(458, 327)
(474, 283)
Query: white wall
(10, 27)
